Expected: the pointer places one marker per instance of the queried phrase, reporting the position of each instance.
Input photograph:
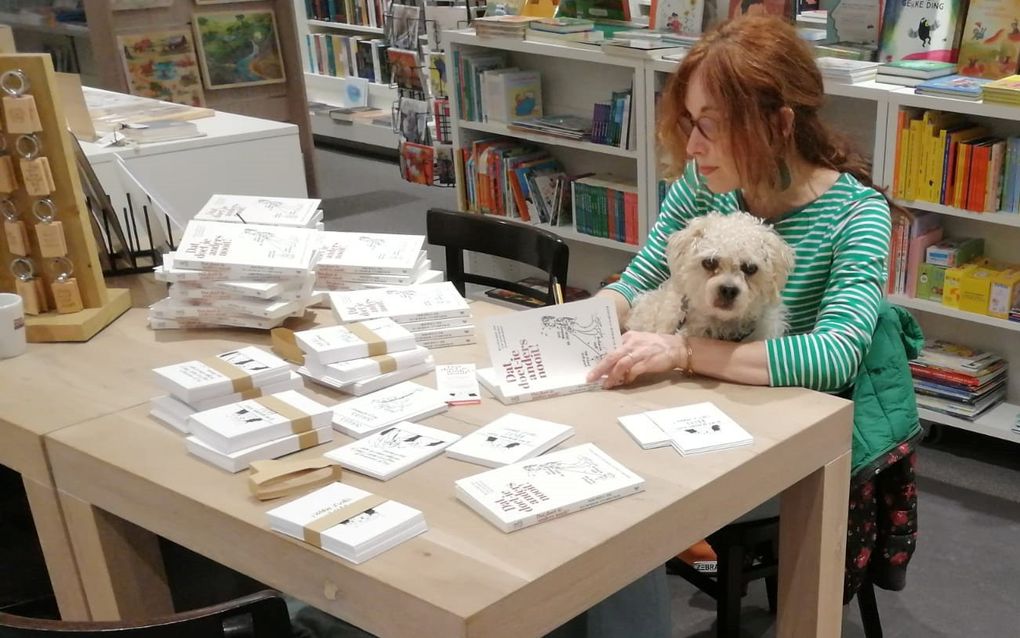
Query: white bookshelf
(997, 422)
(936, 308)
(1002, 219)
(501, 128)
(345, 27)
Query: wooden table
(123, 478)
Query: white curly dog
(726, 276)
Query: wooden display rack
(102, 305)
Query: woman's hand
(640, 353)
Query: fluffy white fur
(726, 276)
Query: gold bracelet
(689, 363)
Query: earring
(785, 180)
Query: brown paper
(239, 379)
(300, 422)
(386, 363)
(66, 296)
(285, 346)
(376, 346)
(273, 479)
(313, 530)
(51, 239)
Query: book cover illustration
(533, 347)
(510, 438)
(523, 95)
(921, 30)
(243, 244)
(385, 302)
(416, 163)
(402, 26)
(244, 209)
(370, 249)
(677, 16)
(405, 68)
(955, 84)
(445, 172)
(162, 65)
(701, 427)
(990, 46)
(779, 8)
(414, 118)
(400, 402)
(393, 450)
(855, 22)
(437, 74)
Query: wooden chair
(260, 615)
(459, 232)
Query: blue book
(959, 86)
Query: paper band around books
(285, 345)
(299, 421)
(240, 379)
(386, 363)
(313, 531)
(308, 439)
(376, 346)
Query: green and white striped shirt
(833, 294)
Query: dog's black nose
(729, 293)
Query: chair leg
(869, 610)
(772, 593)
(729, 571)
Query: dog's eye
(748, 269)
(710, 264)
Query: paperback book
(509, 439)
(371, 253)
(489, 378)
(270, 211)
(171, 405)
(522, 494)
(246, 251)
(644, 431)
(373, 412)
(239, 460)
(700, 428)
(356, 340)
(372, 384)
(227, 373)
(403, 305)
(458, 384)
(393, 450)
(244, 424)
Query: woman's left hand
(640, 353)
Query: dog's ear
(781, 260)
(683, 241)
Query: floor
(964, 580)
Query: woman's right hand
(640, 353)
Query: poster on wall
(132, 5)
(162, 65)
(239, 48)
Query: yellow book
(902, 160)
(539, 8)
(916, 158)
(962, 168)
(937, 153)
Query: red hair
(752, 67)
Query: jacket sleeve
(827, 358)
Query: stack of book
(1014, 313)
(509, 439)
(1002, 91)
(393, 450)
(516, 496)
(644, 48)
(960, 87)
(194, 386)
(847, 71)
(689, 429)
(362, 357)
(958, 381)
(269, 211)
(606, 206)
(352, 56)
(569, 31)
(234, 274)
(359, 261)
(913, 72)
(547, 352)
(502, 26)
(570, 127)
(348, 522)
(374, 412)
(435, 313)
(611, 121)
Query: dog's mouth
(722, 304)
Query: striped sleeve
(649, 269)
(827, 358)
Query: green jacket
(885, 410)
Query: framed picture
(162, 65)
(238, 48)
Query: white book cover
(176, 406)
(373, 384)
(393, 450)
(246, 251)
(271, 211)
(371, 253)
(358, 538)
(193, 381)
(402, 304)
(508, 394)
(644, 431)
(159, 322)
(406, 401)
(333, 283)
(700, 427)
(240, 460)
(509, 439)
(299, 288)
(356, 340)
(458, 384)
(368, 367)
(437, 324)
(260, 308)
(516, 496)
(170, 419)
(171, 274)
(553, 346)
(336, 274)
(212, 315)
(236, 426)
(434, 343)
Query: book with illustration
(373, 412)
(699, 428)
(509, 439)
(921, 30)
(677, 16)
(227, 373)
(990, 46)
(404, 305)
(353, 341)
(241, 425)
(270, 211)
(343, 372)
(239, 460)
(369, 385)
(246, 251)
(393, 450)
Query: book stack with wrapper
(346, 521)
(268, 427)
(435, 313)
(362, 357)
(689, 429)
(516, 496)
(393, 450)
(233, 274)
(509, 439)
(366, 415)
(362, 261)
(269, 211)
(236, 375)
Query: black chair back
(260, 615)
(490, 235)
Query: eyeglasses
(708, 127)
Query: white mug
(12, 325)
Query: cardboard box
(930, 281)
(952, 281)
(953, 252)
(1005, 293)
(976, 289)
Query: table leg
(120, 564)
(56, 547)
(812, 547)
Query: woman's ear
(786, 122)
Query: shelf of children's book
(997, 422)
(501, 128)
(936, 308)
(591, 53)
(344, 26)
(1002, 219)
(337, 83)
(906, 97)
